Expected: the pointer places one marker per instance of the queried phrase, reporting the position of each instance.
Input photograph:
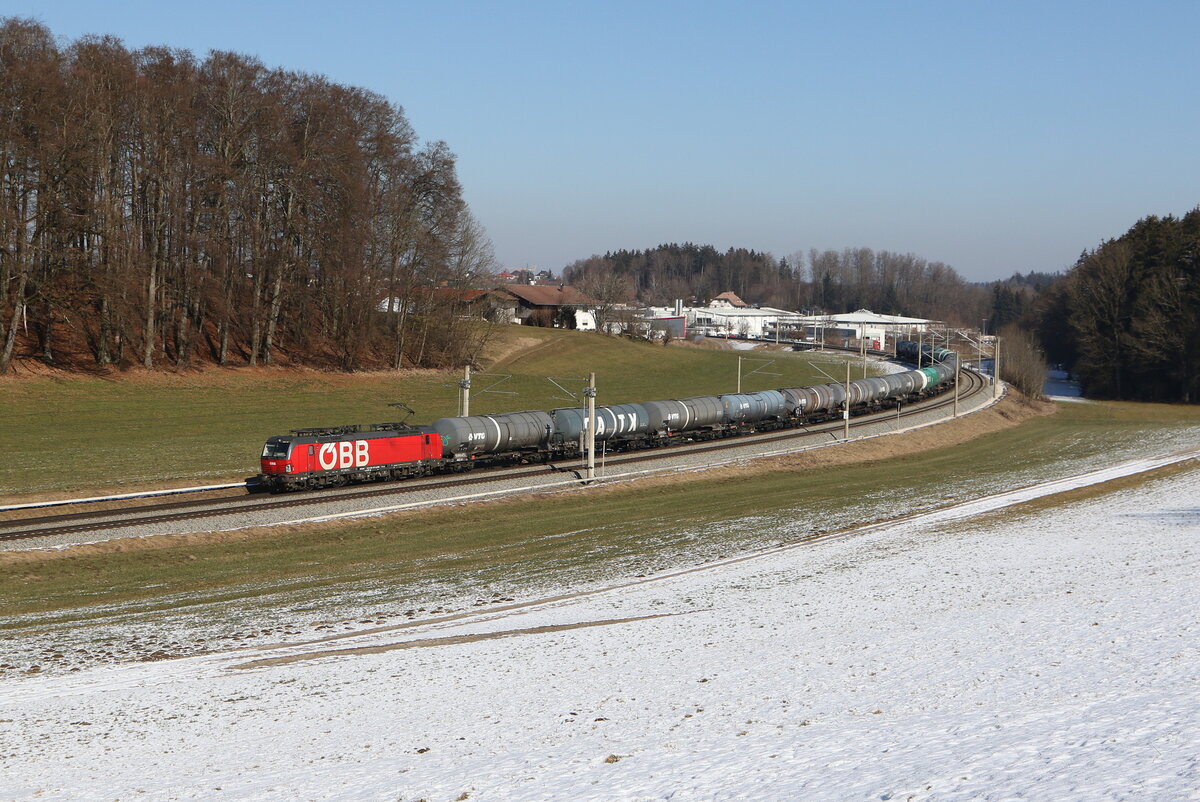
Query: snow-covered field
(960, 655)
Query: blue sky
(994, 136)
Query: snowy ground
(960, 655)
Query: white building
(880, 331)
(725, 321)
(749, 322)
(730, 321)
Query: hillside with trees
(830, 281)
(157, 209)
(1126, 317)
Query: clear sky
(994, 136)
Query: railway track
(143, 515)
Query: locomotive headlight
(287, 468)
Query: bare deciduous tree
(1023, 365)
(151, 205)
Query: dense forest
(830, 281)
(1126, 317)
(158, 209)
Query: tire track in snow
(449, 640)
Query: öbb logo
(344, 454)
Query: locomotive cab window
(276, 449)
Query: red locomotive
(312, 458)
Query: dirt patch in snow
(451, 640)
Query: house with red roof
(558, 305)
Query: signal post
(846, 406)
(590, 393)
(464, 395)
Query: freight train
(315, 458)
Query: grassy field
(573, 538)
(66, 435)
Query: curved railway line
(141, 515)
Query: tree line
(1126, 317)
(827, 281)
(160, 209)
